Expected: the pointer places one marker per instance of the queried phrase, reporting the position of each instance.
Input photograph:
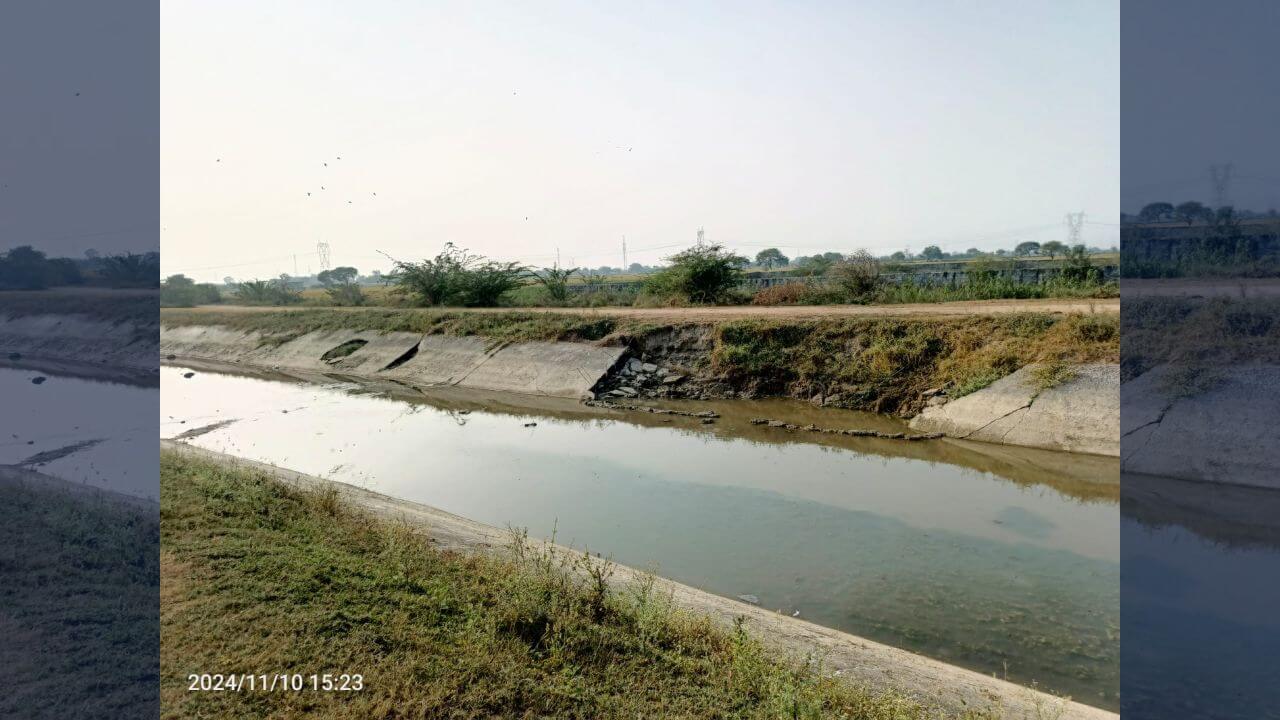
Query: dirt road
(1195, 287)
(968, 307)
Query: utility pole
(1075, 223)
(295, 263)
(1220, 178)
(624, 252)
(557, 258)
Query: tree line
(25, 268)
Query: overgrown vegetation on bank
(886, 364)
(1198, 335)
(79, 580)
(879, 364)
(257, 575)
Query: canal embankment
(93, 333)
(1050, 379)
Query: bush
(786, 294)
(130, 270)
(858, 275)
(267, 292)
(456, 277)
(701, 274)
(556, 282)
(182, 291)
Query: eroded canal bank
(1036, 380)
(928, 546)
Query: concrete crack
(993, 422)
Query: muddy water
(1000, 560)
(85, 431)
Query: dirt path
(967, 307)
(1195, 287)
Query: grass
(79, 584)
(114, 306)
(884, 364)
(877, 364)
(514, 326)
(260, 577)
(1198, 332)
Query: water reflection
(1201, 586)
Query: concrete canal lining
(555, 369)
(1082, 414)
(1224, 433)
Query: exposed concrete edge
(946, 687)
(1225, 434)
(1080, 415)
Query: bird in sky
(326, 164)
(77, 93)
(308, 194)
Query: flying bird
(77, 93)
(326, 164)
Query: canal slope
(1058, 371)
(861, 661)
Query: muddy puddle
(998, 559)
(85, 431)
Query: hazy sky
(79, 125)
(515, 128)
(1199, 90)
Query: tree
(182, 291)
(973, 252)
(24, 268)
(898, 256)
(1029, 247)
(1053, 248)
(1192, 211)
(701, 274)
(340, 283)
(1155, 212)
(932, 252)
(771, 257)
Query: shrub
(857, 275)
(556, 282)
(456, 277)
(785, 294)
(701, 274)
(267, 292)
(182, 291)
(130, 270)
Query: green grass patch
(262, 577)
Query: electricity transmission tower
(1220, 177)
(322, 251)
(1075, 223)
(702, 237)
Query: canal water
(1001, 560)
(1201, 588)
(85, 431)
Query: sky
(530, 130)
(79, 126)
(1200, 90)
